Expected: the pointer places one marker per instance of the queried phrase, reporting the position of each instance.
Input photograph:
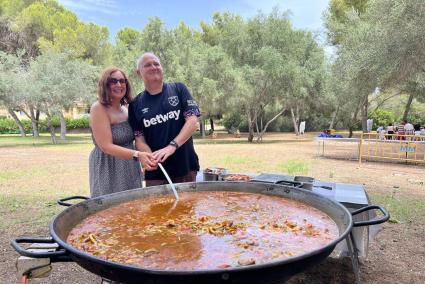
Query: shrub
(8, 126)
(232, 122)
(382, 117)
(76, 123)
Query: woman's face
(117, 85)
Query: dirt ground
(396, 255)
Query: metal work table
(338, 141)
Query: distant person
(409, 129)
(302, 127)
(400, 131)
(114, 162)
(369, 124)
(381, 133)
(390, 131)
(422, 133)
(164, 117)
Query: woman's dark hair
(104, 91)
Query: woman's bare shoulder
(98, 112)
(97, 107)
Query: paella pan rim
(78, 254)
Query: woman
(114, 162)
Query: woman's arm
(148, 161)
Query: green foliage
(59, 81)
(76, 123)
(337, 17)
(128, 37)
(382, 117)
(232, 121)
(46, 25)
(417, 115)
(8, 126)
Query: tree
(58, 82)
(337, 17)
(383, 51)
(128, 37)
(46, 25)
(399, 37)
(13, 80)
(276, 63)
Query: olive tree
(58, 82)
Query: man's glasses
(113, 81)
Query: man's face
(150, 69)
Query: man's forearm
(187, 131)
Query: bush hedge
(8, 126)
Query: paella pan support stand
(353, 251)
(351, 243)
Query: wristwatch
(136, 155)
(174, 143)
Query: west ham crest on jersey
(174, 100)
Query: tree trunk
(334, 114)
(261, 123)
(51, 128)
(295, 122)
(17, 121)
(202, 127)
(260, 136)
(34, 122)
(364, 112)
(63, 126)
(37, 118)
(250, 128)
(352, 122)
(212, 124)
(350, 130)
(257, 129)
(408, 105)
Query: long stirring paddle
(169, 181)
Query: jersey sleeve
(189, 105)
(135, 123)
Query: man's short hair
(138, 61)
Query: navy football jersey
(159, 118)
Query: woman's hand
(148, 161)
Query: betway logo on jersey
(161, 118)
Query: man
(409, 129)
(164, 117)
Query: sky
(118, 14)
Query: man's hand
(162, 154)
